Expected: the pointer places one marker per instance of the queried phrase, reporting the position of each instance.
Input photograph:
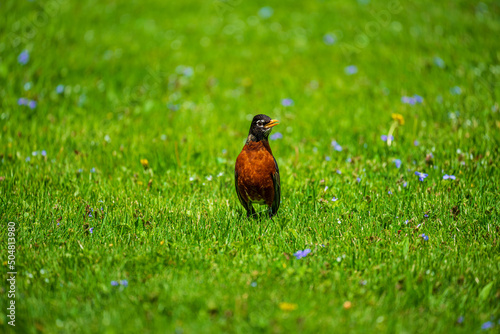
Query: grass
(176, 84)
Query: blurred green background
(89, 89)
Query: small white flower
(209, 178)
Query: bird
(256, 172)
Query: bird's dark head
(261, 127)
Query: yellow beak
(272, 123)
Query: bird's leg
(270, 212)
(251, 212)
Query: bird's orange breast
(255, 166)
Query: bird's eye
(260, 123)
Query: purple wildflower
(28, 159)
(397, 162)
(460, 320)
(449, 177)
(351, 69)
(114, 283)
(300, 254)
(338, 171)
(287, 102)
(358, 179)
(487, 325)
(91, 230)
(92, 170)
(425, 237)
(405, 184)
(336, 146)
(386, 137)
(124, 282)
(426, 216)
(329, 39)
(412, 100)
(23, 57)
(44, 153)
(415, 143)
(421, 176)
(389, 192)
(32, 104)
(335, 199)
(60, 89)
(327, 158)
(22, 101)
(276, 136)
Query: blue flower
(114, 283)
(22, 101)
(351, 69)
(32, 104)
(415, 142)
(253, 284)
(460, 319)
(386, 137)
(338, 171)
(266, 12)
(327, 158)
(60, 89)
(425, 237)
(358, 179)
(449, 177)
(23, 57)
(92, 170)
(28, 159)
(335, 199)
(397, 162)
(91, 230)
(421, 176)
(44, 153)
(124, 282)
(390, 192)
(456, 90)
(439, 62)
(300, 254)
(287, 102)
(487, 325)
(412, 100)
(276, 136)
(405, 184)
(329, 39)
(336, 146)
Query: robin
(257, 177)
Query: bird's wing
(245, 204)
(277, 189)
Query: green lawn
(121, 122)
